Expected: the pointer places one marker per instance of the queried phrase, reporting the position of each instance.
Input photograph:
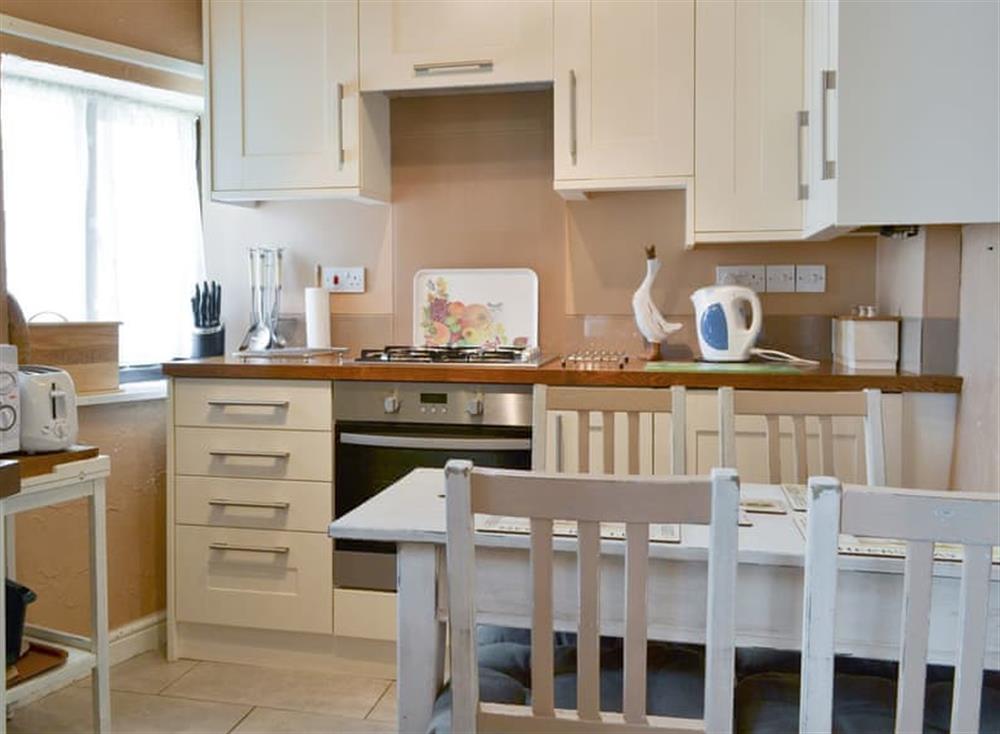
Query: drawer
(289, 404)
(254, 578)
(236, 452)
(367, 614)
(253, 503)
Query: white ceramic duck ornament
(648, 318)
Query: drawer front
(290, 404)
(253, 503)
(367, 614)
(235, 452)
(254, 578)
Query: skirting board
(125, 642)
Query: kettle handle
(756, 320)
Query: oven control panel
(426, 402)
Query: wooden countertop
(823, 377)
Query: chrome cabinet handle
(829, 84)
(803, 186)
(340, 126)
(434, 443)
(250, 454)
(224, 403)
(572, 116)
(278, 550)
(444, 67)
(249, 503)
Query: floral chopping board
(488, 307)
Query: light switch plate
(344, 280)
(752, 276)
(810, 278)
(780, 278)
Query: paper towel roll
(317, 317)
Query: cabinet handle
(572, 116)
(803, 186)
(248, 403)
(340, 126)
(249, 503)
(278, 550)
(829, 84)
(250, 454)
(445, 67)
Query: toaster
(48, 409)
(10, 398)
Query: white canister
(317, 307)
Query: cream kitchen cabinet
(903, 113)
(439, 44)
(623, 94)
(748, 134)
(287, 119)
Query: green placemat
(753, 367)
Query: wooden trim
(574, 497)
(539, 427)
(727, 428)
(542, 660)
(636, 615)
(764, 402)
(915, 626)
(972, 615)
(588, 652)
(500, 717)
(678, 430)
(616, 399)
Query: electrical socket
(344, 280)
(752, 276)
(810, 278)
(780, 278)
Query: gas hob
(503, 356)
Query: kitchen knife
(198, 319)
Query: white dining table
(411, 514)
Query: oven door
(371, 456)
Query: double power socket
(774, 278)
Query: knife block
(208, 342)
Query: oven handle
(436, 443)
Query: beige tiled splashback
(472, 187)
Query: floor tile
(274, 721)
(297, 690)
(150, 672)
(385, 709)
(68, 711)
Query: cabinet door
(443, 43)
(624, 109)
(284, 94)
(748, 95)
(821, 24)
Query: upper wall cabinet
(624, 94)
(287, 118)
(435, 44)
(748, 134)
(903, 111)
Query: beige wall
(52, 543)
(976, 464)
(472, 187)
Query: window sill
(130, 392)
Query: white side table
(85, 478)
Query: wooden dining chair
(797, 406)
(553, 405)
(920, 518)
(637, 502)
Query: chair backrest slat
(636, 573)
(920, 518)
(542, 664)
(588, 500)
(798, 406)
(972, 609)
(915, 627)
(588, 652)
(633, 402)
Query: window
(102, 204)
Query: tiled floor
(148, 694)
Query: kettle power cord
(773, 355)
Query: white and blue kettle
(722, 332)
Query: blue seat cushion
(768, 703)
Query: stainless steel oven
(385, 430)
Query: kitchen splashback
(472, 187)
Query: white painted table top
(412, 510)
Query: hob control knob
(474, 407)
(391, 404)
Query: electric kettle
(722, 332)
